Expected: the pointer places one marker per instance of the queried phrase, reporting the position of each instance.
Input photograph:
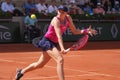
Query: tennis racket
(79, 44)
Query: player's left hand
(63, 51)
(92, 31)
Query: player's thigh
(44, 58)
(55, 54)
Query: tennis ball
(86, 15)
(33, 16)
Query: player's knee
(35, 64)
(60, 60)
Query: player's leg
(55, 54)
(39, 64)
(44, 58)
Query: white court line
(88, 72)
(35, 57)
(72, 55)
(23, 58)
(53, 77)
(11, 61)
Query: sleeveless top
(51, 35)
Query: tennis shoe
(19, 74)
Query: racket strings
(79, 44)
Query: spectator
(99, 9)
(29, 6)
(66, 1)
(31, 26)
(41, 7)
(73, 9)
(112, 3)
(88, 9)
(117, 5)
(93, 3)
(53, 7)
(8, 7)
(107, 6)
(81, 3)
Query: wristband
(85, 31)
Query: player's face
(63, 12)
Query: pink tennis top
(51, 35)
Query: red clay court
(96, 61)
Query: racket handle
(67, 50)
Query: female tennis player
(51, 39)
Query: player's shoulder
(69, 17)
(55, 19)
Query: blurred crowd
(75, 7)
